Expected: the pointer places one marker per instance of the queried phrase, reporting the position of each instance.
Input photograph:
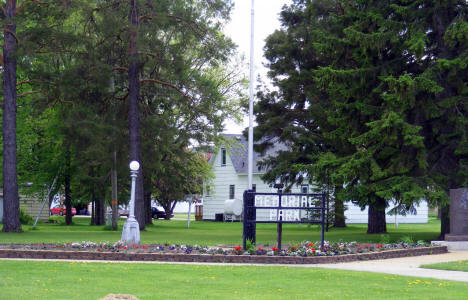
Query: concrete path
(407, 266)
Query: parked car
(156, 213)
(61, 210)
(123, 211)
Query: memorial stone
(458, 215)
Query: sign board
(282, 208)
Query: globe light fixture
(134, 165)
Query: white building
(231, 180)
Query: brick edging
(249, 259)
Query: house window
(254, 188)
(231, 191)
(304, 188)
(223, 156)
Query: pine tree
(354, 81)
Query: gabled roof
(238, 154)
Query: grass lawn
(459, 265)
(207, 233)
(81, 280)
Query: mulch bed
(215, 258)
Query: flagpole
(251, 96)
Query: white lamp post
(131, 229)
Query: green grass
(215, 233)
(81, 280)
(459, 265)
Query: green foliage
(73, 78)
(407, 240)
(371, 100)
(25, 219)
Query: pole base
(131, 232)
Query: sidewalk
(407, 266)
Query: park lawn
(206, 233)
(85, 280)
(459, 265)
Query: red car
(61, 210)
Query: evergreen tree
(25, 35)
(354, 79)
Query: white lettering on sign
(266, 200)
(284, 215)
(286, 201)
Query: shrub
(25, 219)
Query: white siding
(354, 214)
(224, 176)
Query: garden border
(216, 258)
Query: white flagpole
(251, 96)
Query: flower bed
(303, 253)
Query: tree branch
(120, 69)
(194, 26)
(11, 32)
(23, 82)
(168, 85)
(30, 92)
(20, 7)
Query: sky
(266, 22)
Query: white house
(231, 180)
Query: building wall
(354, 214)
(224, 176)
(31, 205)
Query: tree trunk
(444, 221)
(133, 114)
(11, 219)
(376, 217)
(99, 216)
(67, 183)
(148, 218)
(339, 220)
(114, 201)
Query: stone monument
(458, 215)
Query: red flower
(98, 249)
(260, 249)
(294, 247)
(274, 249)
(120, 247)
(40, 245)
(311, 244)
(125, 247)
(379, 246)
(237, 248)
(144, 247)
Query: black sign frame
(250, 212)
